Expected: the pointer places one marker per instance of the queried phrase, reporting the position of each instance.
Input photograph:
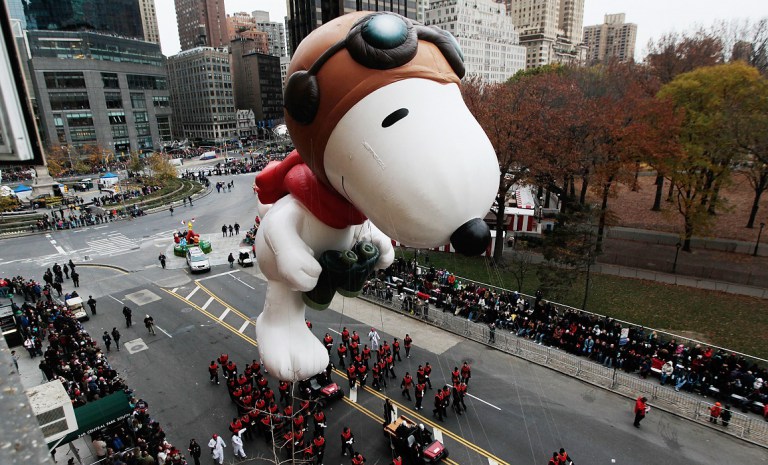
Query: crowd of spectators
(694, 368)
(75, 359)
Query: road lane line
(242, 328)
(492, 462)
(217, 275)
(174, 289)
(118, 300)
(331, 329)
(189, 296)
(243, 283)
(207, 303)
(353, 394)
(164, 331)
(481, 400)
(60, 249)
(225, 304)
(221, 317)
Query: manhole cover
(186, 309)
(136, 345)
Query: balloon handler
(386, 149)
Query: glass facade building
(118, 17)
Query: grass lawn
(736, 322)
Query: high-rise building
(275, 37)
(253, 26)
(99, 90)
(119, 17)
(201, 23)
(614, 39)
(487, 36)
(149, 21)
(421, 10)
(304, 16)
(16, 11)
(551, 30)
(256, 81)
(201, 94)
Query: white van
(176, 161)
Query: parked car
(321, 389)
(197, 260)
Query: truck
(75, 305)
(413, 442)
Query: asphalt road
(518, 413)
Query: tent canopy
(108, 175)
(22, 188)
(98, 414)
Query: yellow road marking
(236, 311)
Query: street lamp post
(677, 253)
(757, 244)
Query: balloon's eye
(385, 32)
(394, 117)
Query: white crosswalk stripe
(113, 244)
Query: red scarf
(292, 176)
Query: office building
(304, 16)
(275, 33)
(118, 17)
(201, 95)
(551, 30)
(256, 81)
(16, 11)
(421, 10)
(258, 27)
(149, 21)
(487, 36)
(99, 90)
(614, 39)
(201, 23)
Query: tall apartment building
(304, 16)
(256, 25)
(149, 21)
(487, 36)
(421, 10)
(275, 33)
(16, 11)
(256, 81)
(101, 90)
(200, 85)
(201, 23)
(614, 39)
(551, 30)
(119, 17)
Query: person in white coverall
(237, 446)
(217, 446)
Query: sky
(653, 17)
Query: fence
(748, 427)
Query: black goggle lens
(385, 32)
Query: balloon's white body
(418, 180)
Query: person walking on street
(714, 412)
(231, 260)
(213, 370)
(190, 201)
(71, 265)
(127, 314)
(347, 439)
(641, 408)
(149, 322)
(184, 201)
(116, 338)
(65, 269)
(237, 229)
(171, 210)
(75, 278)
(15, 358)
(231, 230)
(217, 446)
(407, 341)
(107, 340)
(194, 451)
(405, 384)
(162, 259)
(492, 333)
(92, 304)
(726, 415)
(237, 446)
(224, 231)
(374, 337)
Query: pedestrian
(65, 269)
(171, 210)
(563, 458)
(15, 359)
(224, 231)
(438, 410)
(184, 201)
(231, 230)
(217, 446)
(347, 439)
(407, 341)
(714, 412)
(396, 349)
(554, 460)
(237, 229)
(420, 388)
(194, 451)
(92, 304)
(726, 415)
(466, 373)
(342, 352)
(358, 459)
(231, 260)
(107, 340)
(427, 372)
(213, 370)
(373, 335)
(492, 333)
(116, 338)
(318, 444)
(237, 445)
(405, 384)
(162, 259)
(75, 278)
(127, 314)
(149, 323)
(190, 200)
(641, 408)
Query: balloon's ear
(302, 97)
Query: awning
(98, 414)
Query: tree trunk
(659, 190)
(671, 191)
(713, 200)
(584, 186)
(498, 248)
(688, 234)
(603, 211)
(760, 187)
(635, 185)
(573, 187)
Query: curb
(101, 265)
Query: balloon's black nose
(472, 238)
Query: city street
(518, 412)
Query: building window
(79, 119)
(142, 129)
(138, 101)
(69, 101)
(116, 117)
(161, 101)
(58, 121)
(164, 128)
(119, 131)
(64, 80)
(110, 80)
(140, 116)
(114, 100)
(83, 134)
(145, 82)
(61, 134)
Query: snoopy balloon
(386, 149)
